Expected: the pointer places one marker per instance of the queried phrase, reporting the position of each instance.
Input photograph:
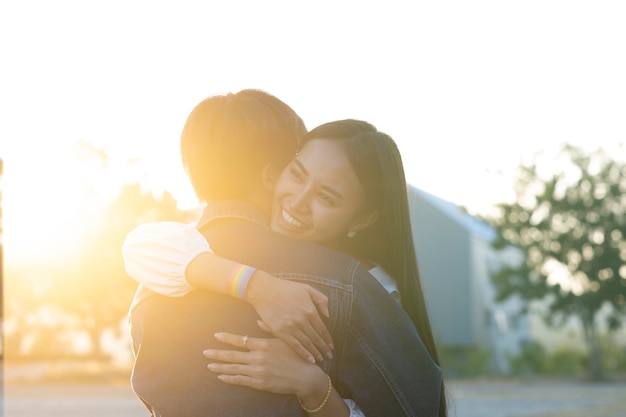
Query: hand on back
(292, 312)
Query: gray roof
(473, 225)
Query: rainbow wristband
(238, 282)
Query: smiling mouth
(293, 222)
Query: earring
(351, 234)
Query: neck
(261, 198)
(231, 209)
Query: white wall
(498, 326)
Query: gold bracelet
(315, 410)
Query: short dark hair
(228, 139)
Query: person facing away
(379, 361)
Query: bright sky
(466, 88)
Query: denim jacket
(379, 360)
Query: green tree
(568, 218)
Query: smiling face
(318, 197)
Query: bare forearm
(210, 272)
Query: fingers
(235, 340)
(319, 336)
(295, 341)
(253, 382)
(312, 343)
(320, 300)
(231, 356)
(264, 326)
(303, 330)
(242, 380)
(228, 368)
(302, 351)
(308, 336)
(326, 342)
(230, 376)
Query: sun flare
(46, 208)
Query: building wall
(498, 325)
(442, 248)
(456, 262)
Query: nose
(300, 201)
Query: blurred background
(509, 117)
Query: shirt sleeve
(157, 254)
(387, 282)
(355, 411)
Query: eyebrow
(324, 187)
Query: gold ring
(245, 341)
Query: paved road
(538, 399)
(71, 401)
(469, 399)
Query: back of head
(228, 139)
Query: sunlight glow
(467, 91)
(42, 211)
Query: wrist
(257, 284)
(314, 396)
(237, 284)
